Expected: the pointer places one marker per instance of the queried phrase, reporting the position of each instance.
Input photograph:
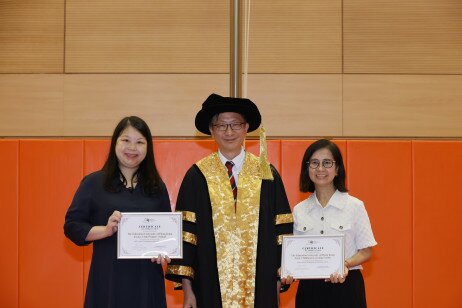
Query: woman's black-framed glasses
(326, 163)
(233, 126)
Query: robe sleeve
(186, 204)
(283, 219)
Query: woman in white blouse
(331, 210)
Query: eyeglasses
(326, 163)
(224, 127)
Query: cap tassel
(266, 173)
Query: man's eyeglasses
(224, 127)
(326, 163)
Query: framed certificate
(146, 235)
(312, 256)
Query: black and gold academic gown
(231, 252)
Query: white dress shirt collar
(337, 200)
(238, 161)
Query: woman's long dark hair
(306, 185)
(147, 174)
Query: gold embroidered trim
(284, 219)
(279, 238)
(236, 231)
(180, 270)
(189, 216)
(177, 285)
(264, 163)
(189, 237)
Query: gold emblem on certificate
(146, 235)
(312, 256)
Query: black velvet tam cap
(215, 104)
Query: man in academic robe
(235, 212)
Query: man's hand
(189, 300)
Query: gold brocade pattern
(279, 238)
(236, 233)
(189, 216)
(189, 237)
(264, 164)
(180, 270)
(284, 219)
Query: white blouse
(343, 214)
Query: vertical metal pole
(235, 46)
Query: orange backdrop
(408, 188)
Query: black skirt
(314, 293)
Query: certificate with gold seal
(146, 235)
(312, 256)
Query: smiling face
(321, 176)
(130, 149)
(229, 141)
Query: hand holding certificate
(147, 235)
(312, 256)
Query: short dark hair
(148, 176)
(306, 185)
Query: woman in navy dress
(128, 182)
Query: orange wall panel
(437, 215)
(95, 154)
(291, 156)
(50, 266)
(175, 157)
(273, 149)
(9, 225)
(392, 178)
(380, 174)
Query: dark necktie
(229, 165)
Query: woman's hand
(161, 259)
(358, 258)
(100, 232)
(337, 278)
(113, 223)
(287, 280)
(283, 281)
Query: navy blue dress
(111, 282)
